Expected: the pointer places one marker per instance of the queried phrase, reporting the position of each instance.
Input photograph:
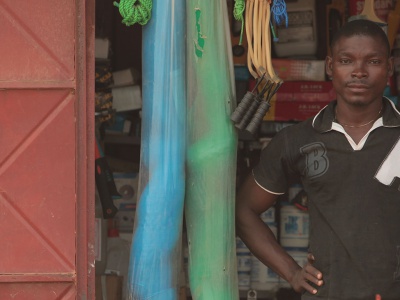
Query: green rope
(238, 11)
(133, 12)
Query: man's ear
(328, 66)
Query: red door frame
(85, 79)
(81, 88)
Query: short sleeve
(272, 172)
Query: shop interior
(298, 57)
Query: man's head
(361, 27)
(360, 63)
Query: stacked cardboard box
(304, 91)
(300, 100)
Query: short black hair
(361, 27)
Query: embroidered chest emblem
(317, 162)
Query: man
(348, 160)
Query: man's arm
(252, 200)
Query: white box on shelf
(125, 77)
(101, 48)
(127, 98)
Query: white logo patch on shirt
(389, 171)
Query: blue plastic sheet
(156, 246)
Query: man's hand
(308, 274)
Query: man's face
(360, 69)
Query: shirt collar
(323, 120)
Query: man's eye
(345, 61)
(374, 61)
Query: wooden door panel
(38, 40)
(46, 99)
(38, 200)
(37, 291)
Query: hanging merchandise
(238, 38)
(279, 12)
(238, 12)
(255, 104)
(155, 258)
(211, 153)
(135, 11)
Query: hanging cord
(238, 12)
(249, 34)
(258, 30)
(249, 114)
(258, 39)
(135, 11)
(279, 12)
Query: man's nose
(359, 71)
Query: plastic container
(262, 278)
(268, 216)
(244, 280)
(243, 255)
(294, 226)
(300, 37)
(118, 251)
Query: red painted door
(46, 164)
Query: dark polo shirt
(354, 200)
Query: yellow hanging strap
(259, 62)
(249, 34)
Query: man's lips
(357, 87)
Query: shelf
(122, 139)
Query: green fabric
(211, 153)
